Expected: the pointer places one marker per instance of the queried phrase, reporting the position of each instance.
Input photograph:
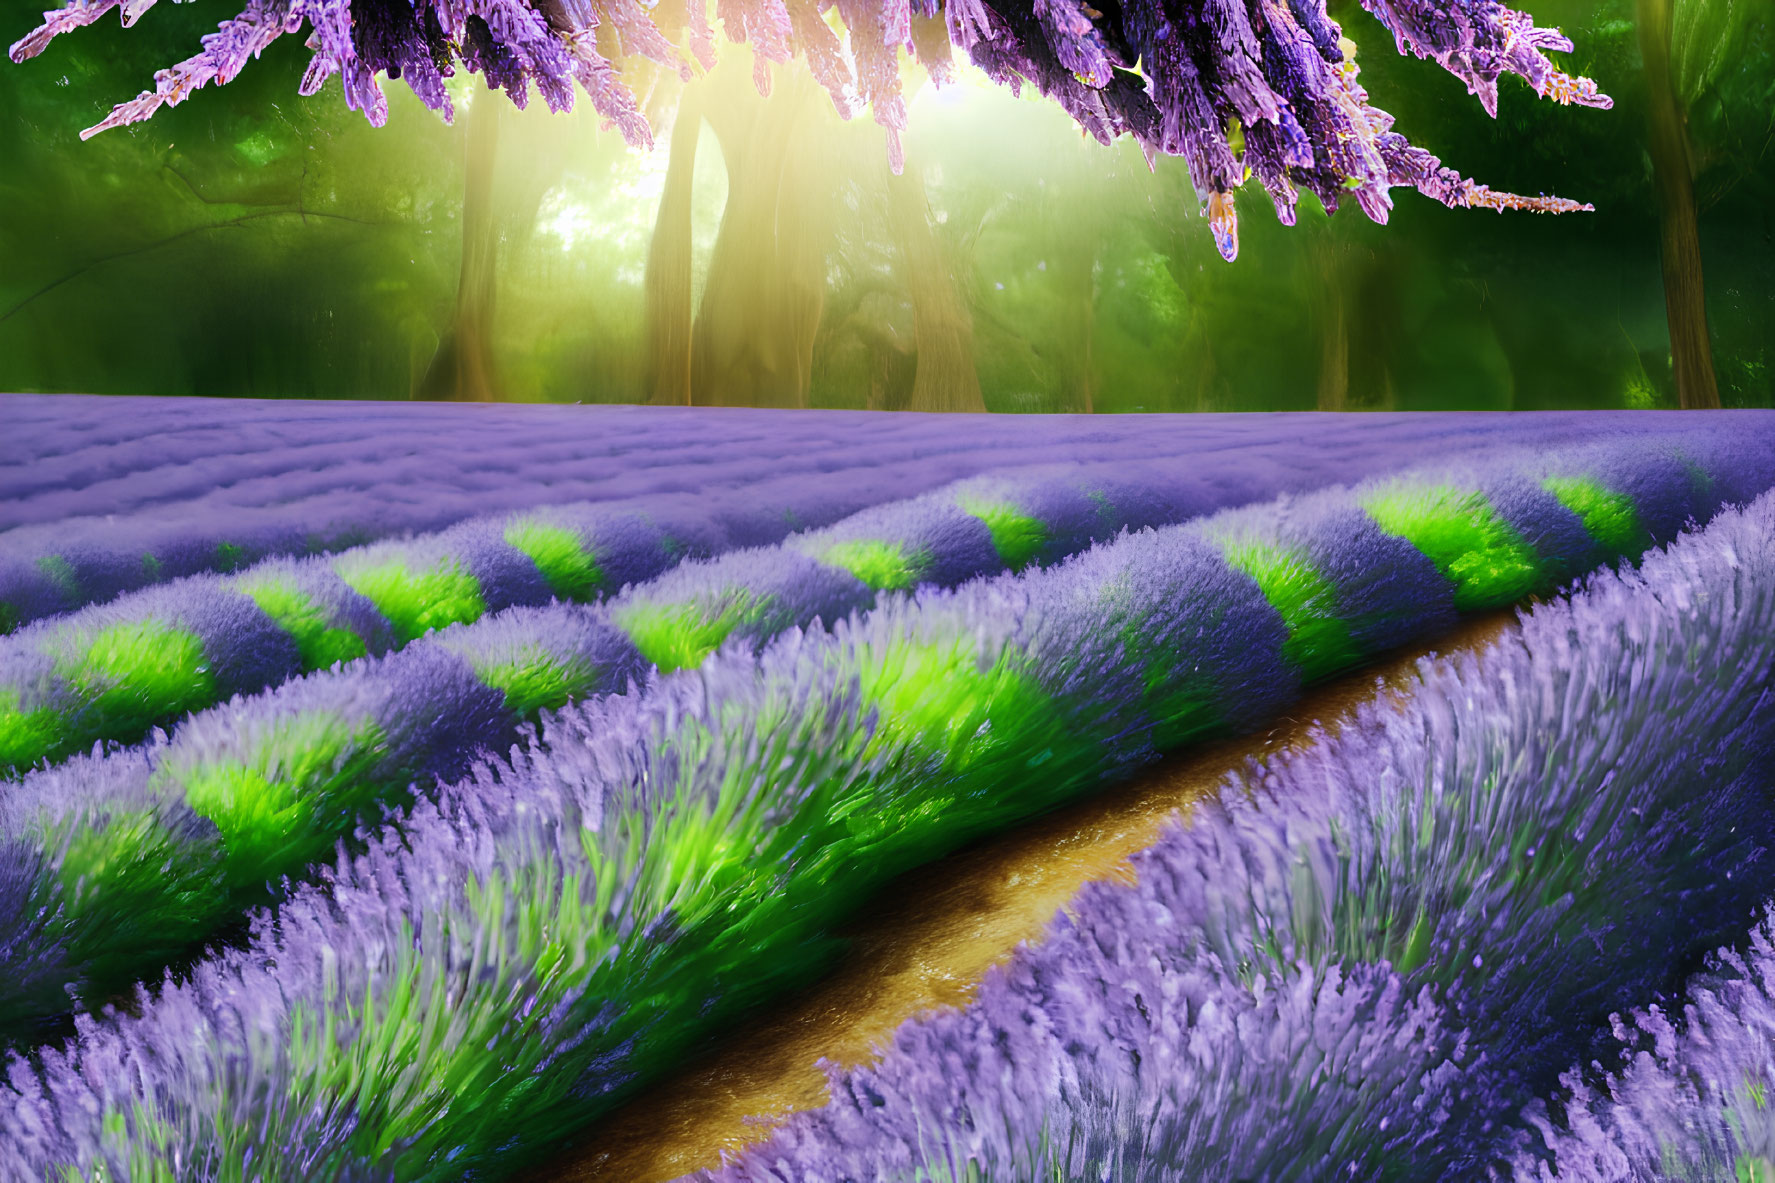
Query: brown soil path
(934, 936)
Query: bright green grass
(938, 697)
(142, 1144)
(884, 566)
(135, 674)
(1319, 642)
(100, 859)
(568, 568)
(679, 636)
(415, 604)
(536, 680)
(287, 802)
(26, 736)
(135, 890)
(1487, 560)
(1610, 518)
(321, 643)
(1016, 536)
(1748, 1169)
(128, 894)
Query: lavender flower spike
(74, 15)
(1690, 1095)
(225, 53)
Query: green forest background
(253, 243)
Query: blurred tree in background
(251, 243)
(259, 246)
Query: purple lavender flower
(1359, 960)
(1269, 73)
(504, 924)
(1689, 1097)
(89, 510)
(548, 929)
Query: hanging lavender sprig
(77, 14)
(225, 54)
(1240, 89)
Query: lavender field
(393, 792)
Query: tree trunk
(1685, 296)
(943, 331)
(667, 290)
(1334, 332)
(1075, 264)
(1372, 281)
(752, 344)
(805, 216)
(1334, 356)
(462, 369)
(893, 367)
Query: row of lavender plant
(112, 671)
(1362, 960)
(103, 496)
(71, 458)
(545, 935)
(137, 858)
(306, 482)
(439, 479)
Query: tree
(261, 246)
(750, 340)
(1722, 69)
(1685, 44)
(462, 368)
(668, 292)
(943, 377)
(1238, 88)
(753, 340)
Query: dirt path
(931, 940)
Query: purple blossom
(1369, 953)
(1272, 68)
(1688, 1092)
(681, 838)
(90, 509)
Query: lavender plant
(277, 779)
(89, 510)
(1238, 88)
(1364, 967)
(111, 672)
(538, 938)
(91, 506)
(1688, 1094)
